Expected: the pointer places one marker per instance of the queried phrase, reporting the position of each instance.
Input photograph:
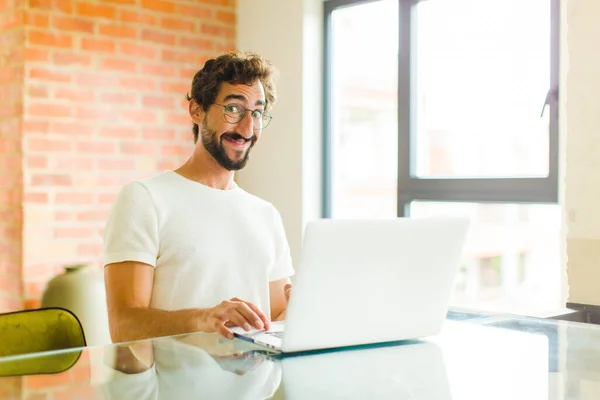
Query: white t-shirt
(207, 245)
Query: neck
(202, 168)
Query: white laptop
(364, 282)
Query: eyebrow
(242, 98)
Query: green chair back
(24, 333)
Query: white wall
(285, 168)
(580, 103)
(285, 165)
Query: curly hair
(234, 68)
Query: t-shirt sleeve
(283, 267)
(131, 232)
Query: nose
(245, 126)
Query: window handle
(551, 98)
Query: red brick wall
(104, 89)
(12, 43)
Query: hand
(287, 290)
(235, 312)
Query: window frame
(542, 190)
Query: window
(450, 107)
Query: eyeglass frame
(245, 111)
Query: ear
(196, 112)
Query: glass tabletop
(476, 356)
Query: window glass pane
(512, 255)
(482, 72)
(364, 101)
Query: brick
(10, 198)
(11, 110)
(171, 87)
(41, 198)
(49, 39)
(107, 198)
(37, 91)
(71, 128)
(188, 73)
(50, 180)
(227, 17)
(218, 31)
(168, 39)
(73, 233)
(181, 57)
(160, 134)
(217, 2)
(90, 249)
(64, 6)
(180, 119)
(167, 71)
(35, 19)
(82, 392)
(34, 54)
(8, 74)
(119, 132)
(141, 84)
(119, 98)
(139, 116)
(118, 31)
(48, 145)
(37, 162)
(92, 113)
(100, 80)
(145, 19)
(10, 20)
(72, 24)
(194, 11)
(105, 46)
(75, 95)
(63, 216)
(30, 126)
(31, 304)
(138, 148)
(8, 145)
(72, 59)
(97, 215)
(48, 75)
(74, 164)
(196, 44)
(138, 50)
(49, 110)
(96, 147)
(87, 9)
(159, 5)
(11, 162)
(118, 64)
(74, 199)
(168, 150)
(160, 102)
(110, 164)
(224, 47)
(178, 24)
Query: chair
(37, 331)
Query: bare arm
(128, 294)
(278, 292)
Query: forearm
(130, 324)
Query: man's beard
(214, 145)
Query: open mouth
(236, 139)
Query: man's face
(228, 142)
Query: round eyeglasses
(234, 113)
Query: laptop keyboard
(276, 334)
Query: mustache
(237, 136)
